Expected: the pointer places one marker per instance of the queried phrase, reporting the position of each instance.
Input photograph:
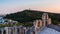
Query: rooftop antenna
(29, 8)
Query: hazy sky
(10, 6)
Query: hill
(30, 15)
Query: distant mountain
(30, 15)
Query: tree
(1, 25)
(18, 24)
(8, 25)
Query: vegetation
(18, 24)
(1, 25)
(27, 16)
(8, 25)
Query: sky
(11, 6)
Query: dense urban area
(29, 22)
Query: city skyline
(11, 6)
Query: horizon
(12, 6)
(27, 9)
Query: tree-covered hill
(30, 15)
